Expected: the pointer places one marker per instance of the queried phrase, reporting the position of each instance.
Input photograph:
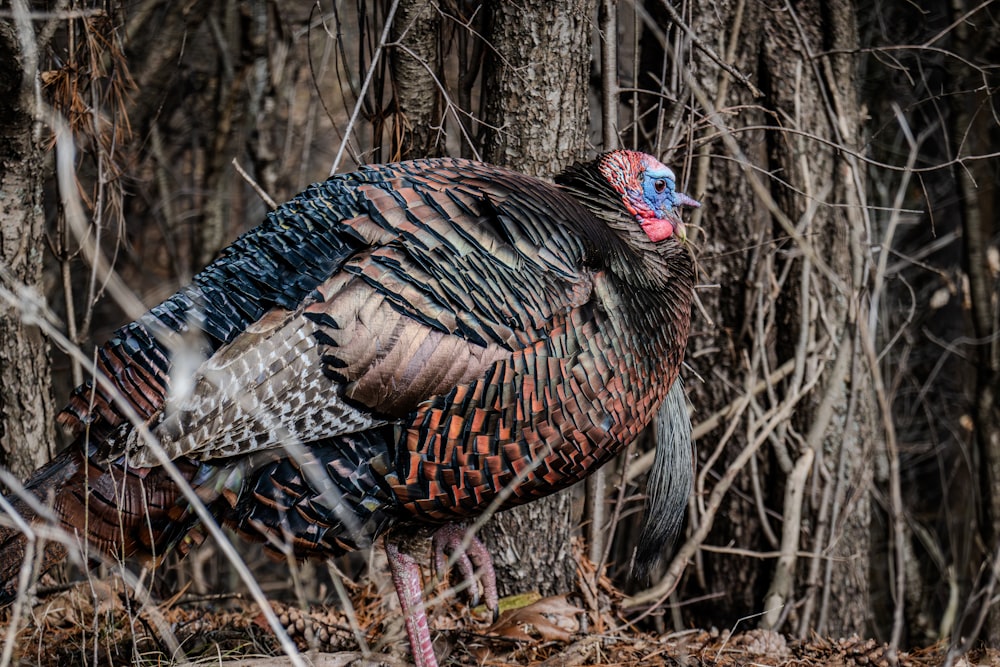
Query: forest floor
(96, 623)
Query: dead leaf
(550, 619)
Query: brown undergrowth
(101, 622)
(92, 625)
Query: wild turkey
(393, 348)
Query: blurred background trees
(844, 367)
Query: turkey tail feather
(120, 511)
(669, 485)
(25, 509)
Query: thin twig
(896, 526)
(256, 187)
(608, 27)
(656, 594)
(383, 40)
(709, 51)
(723, 414)
(65, 152)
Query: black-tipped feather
(669, 485)
(432, 334)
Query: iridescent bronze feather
(431, 337)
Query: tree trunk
(791, 270)
(978, 134)
(940, 320)
(536, 110)
(536, 118)
(415, 64)
(26, 414)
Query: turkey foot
(448, 540)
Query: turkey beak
(681, 201)
(684, 200)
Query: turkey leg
(406, 579)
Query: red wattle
(657, 229)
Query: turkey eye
(660, 185)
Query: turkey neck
(655, 322)
(651, 284)
(619, 244)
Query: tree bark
(536, 110)
(26, 413)
(536, 121)
(791, 270)
(977, 135)
(416, 61)
(944, 311)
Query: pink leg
(406, 579)
(448, 539)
